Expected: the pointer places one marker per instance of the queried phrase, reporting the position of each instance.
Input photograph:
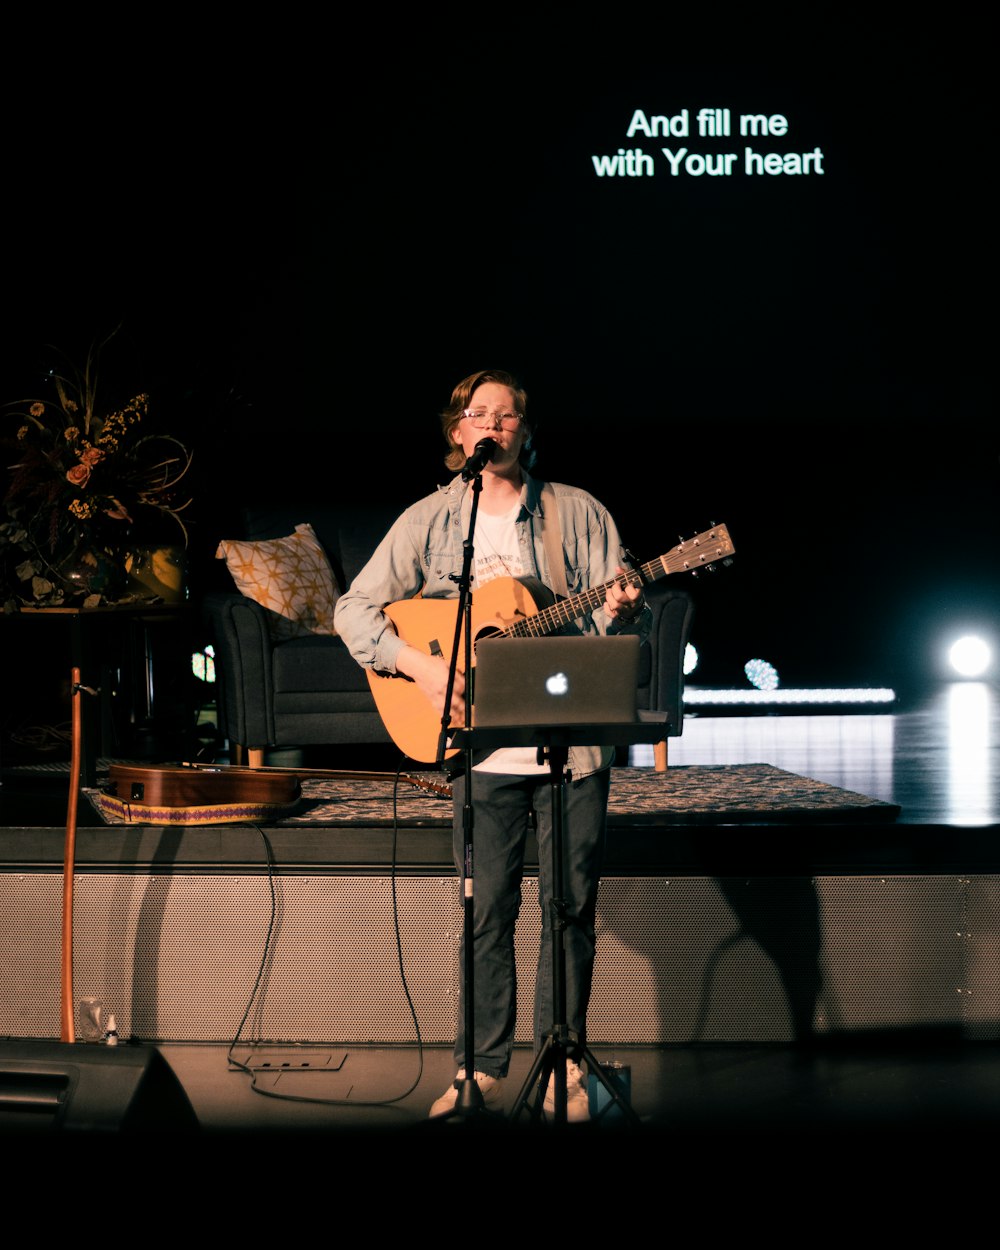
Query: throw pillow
(290, 577)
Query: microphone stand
(469, 1103)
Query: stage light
(827, 697)
(691, 658)
(761, 675)
(969, 656)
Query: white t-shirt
(497, 554)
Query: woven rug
(691, 794)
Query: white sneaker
(577, 1098)
(491, 1088)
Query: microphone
(486, 449)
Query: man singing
(419, 554)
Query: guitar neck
(714, 544)
(274, 770)
(563, 611)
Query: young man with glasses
(421, 553)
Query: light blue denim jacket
(424, 548)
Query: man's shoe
(577, 1098)
(491, 1088)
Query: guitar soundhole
(489, 632)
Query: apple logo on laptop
(558, 683)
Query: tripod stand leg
(550, 1065)
(617, 1098)
(542, 1069)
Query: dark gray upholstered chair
(309, 691)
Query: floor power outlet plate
(296, 1060)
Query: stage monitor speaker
(87, 1088)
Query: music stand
(554, 742)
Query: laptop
(573, 680)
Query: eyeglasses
(483, 420)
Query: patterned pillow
(290, 577)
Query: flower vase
(160, 571)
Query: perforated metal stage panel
(176, 958)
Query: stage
(815, 971)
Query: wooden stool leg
(660, 756)
(255, 757)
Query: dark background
(306, 242)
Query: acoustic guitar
(507, 607)
(202, 794)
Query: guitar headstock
(441, 788)
(702, 551)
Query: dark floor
(880, 1132)
(894, 1086)
(915, 1091)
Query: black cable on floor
(332, 1102)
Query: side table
(111, 646)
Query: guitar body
(429, 625)
(507, 606)
(196, 787)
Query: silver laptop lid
(588, 680)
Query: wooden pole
(67, 1031)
